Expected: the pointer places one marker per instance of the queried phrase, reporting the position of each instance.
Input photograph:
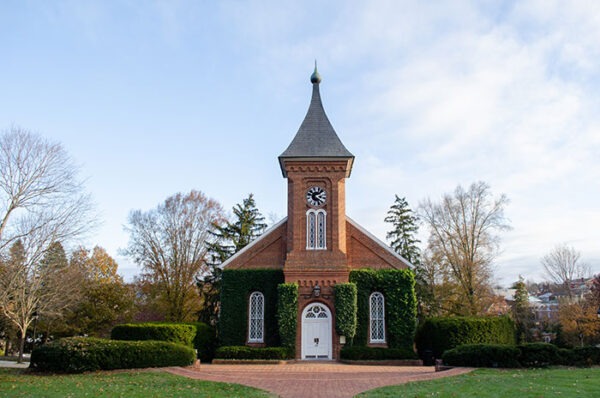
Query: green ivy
(398, 288)
(287, 313)
(237, 285)
(345, 309)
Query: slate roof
(316, 138)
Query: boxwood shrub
(579, 356)
(357, 353)
(483, 355)
(437, 335)
(538, 355)
(82, 354)
(160, 331)
(244, 352)
(205, 341)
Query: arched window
(377, 318)
(316, 228)
(256, 318)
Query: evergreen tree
(521, 312)
(229, 238)
(405, 227)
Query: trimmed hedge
(345, 309)
(287, 313)
(236, 287)
(538, 355)
(243, 352)
(203, 336)
(357, 353)
(83, 354)
(526, 355)
(205, 341)
(398, 288)
(178, 333)
(579, 356)
(437, 335)
(483, 355)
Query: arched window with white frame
(377, 318)
(316, 229)
(256, 318)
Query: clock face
(316, 196)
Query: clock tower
(316, 165)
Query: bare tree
(42, 201)
(170, 243)
(563, 266)
(464, 240)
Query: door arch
(316, 332)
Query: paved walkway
(13, 364)
(310, 379)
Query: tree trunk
(21, 346)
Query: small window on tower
(316, 228)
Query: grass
(144, 384)
(494, 383)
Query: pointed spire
(316, 137)
(315, 78)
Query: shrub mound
(483, 355)
(538, 355)
(205, 341)
(579, 356)
(197, 334)
(82, 354)
(375, 353)
(178, 333)
(532, 355)
(243, 352)
(437, 335)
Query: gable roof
(381, 249)
(316, 137)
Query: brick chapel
(316, 246)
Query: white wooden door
(316, 332)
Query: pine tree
(405, 227)
(248, 224)
(521, 311)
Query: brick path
(309, 379)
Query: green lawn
(492, 383)
(145, 384)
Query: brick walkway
(309, 379)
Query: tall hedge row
(197, 334)
(398, 288)
(437, 335)
(236, 287)
(82, 354)
(160, 331)
(345, 309)
(287, 313)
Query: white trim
(254, 242)
(379, 242)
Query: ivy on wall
(398, 288)
(237, 285)
(287, 313)
(345, 309)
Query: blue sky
(157, 97)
